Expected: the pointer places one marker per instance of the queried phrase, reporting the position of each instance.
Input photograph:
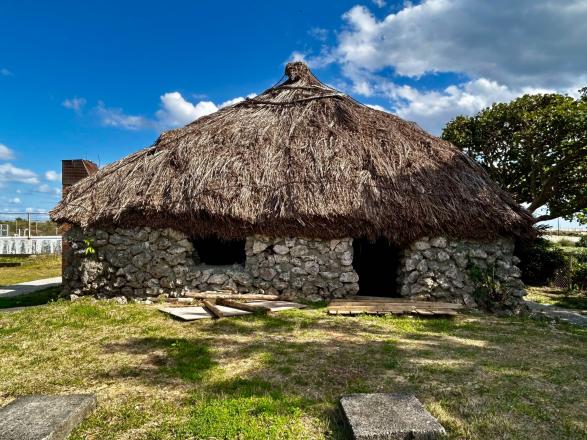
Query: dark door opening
(214, 251)
(376, 263)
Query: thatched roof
(301, 159)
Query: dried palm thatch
(301, 159)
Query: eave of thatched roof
(301, 159)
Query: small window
(216, 252)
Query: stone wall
(474, 273)
(144, 262)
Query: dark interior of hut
(216, 252)
(376, 263)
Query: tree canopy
(535, 147)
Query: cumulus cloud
(495, 51)
(10, 173)
(319, 34)
(175, 111)
(6, 153)
(76, 104)
(14, 201)
(53, 176)
(380, 3)
(44, 188)
(536, 42)
(116, 117)
(433, 109)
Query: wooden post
(213, 309)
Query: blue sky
(99, 80)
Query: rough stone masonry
(143, 262)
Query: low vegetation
(32, 268)
(558, 297)
(280, 377)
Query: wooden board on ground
(276, 306)
(400, 302)
(396, 306)
(223, 311)
(187, 313)
(230, 295)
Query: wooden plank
(371, 298)
(424, 304)
(444, 312)
(229, 311)
(250, 307)
(423, 312)
(212, 308)
(223, 311)
(372, 308)
(230, 295)
(187, 313)
(278, 306)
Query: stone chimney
(75, 170)
(72, 171)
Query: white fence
(50, 244)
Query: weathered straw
(301, 159)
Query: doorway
(376, 263)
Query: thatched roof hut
(301, 159)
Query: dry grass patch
(280, 377)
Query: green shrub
(582, 242)
(540, 259)
(565, 242)
(579, 276)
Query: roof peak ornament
(297, 70)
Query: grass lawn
(558, 297)
(33, 268)
(280, 377)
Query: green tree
(535, 147)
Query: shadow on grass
(31, 299)
(273, 376)
(185, 359)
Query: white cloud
(10, 173)
(44, 188)
(499, 50)
(380, 3)
(526, 42)
(14, 201)
(319, 34)
(377, 107)
(5, 72)
(76, 104)
(6, 153)
(236, 100)
(53, 176)
(175, 111)
(115, 117)
(36, 210)
(433, 109)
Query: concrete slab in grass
(44, 417)
(382, 416)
